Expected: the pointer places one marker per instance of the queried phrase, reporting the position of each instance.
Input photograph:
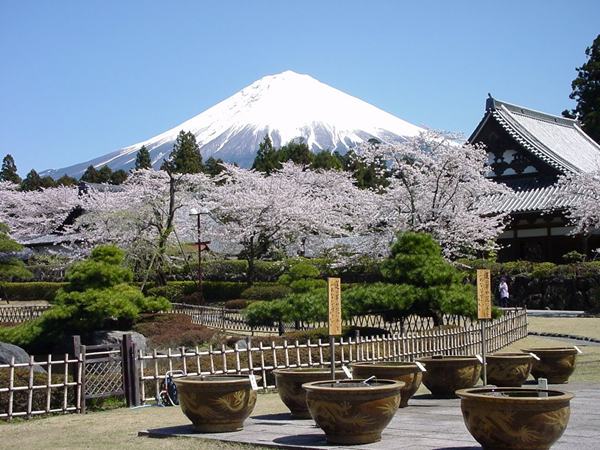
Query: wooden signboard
(335, 306)
(484, 294)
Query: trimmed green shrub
(302, 277)
(270, 292)
(223, 269)
(308, 306)
(11, 269)
(14, 270)
(304, 335)
(391, 300)
(517, 267)
(237, 304)
(421, 282)
(298, 271)
(589, 268)
(573, 257)
(543, 270)
(232, 270)
(307, 285)
(268, 271)
(434, 285)
(34, 290)
(265, 313)
(174, 291)
(365, 269)
(97, 296)
(213, 291)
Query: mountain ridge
(285, 106)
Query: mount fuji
(285, 106)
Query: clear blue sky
(82, 78)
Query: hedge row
(213, 291)
(230, 270)
(535, 269)
(365, 270)
(37, 290)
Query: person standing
(503, 290)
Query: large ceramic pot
(407, 372)
(289, 384)
(556, 364)
(508, 369)
(515, 418)
(446, 374)
(352, 412)
(216, 403)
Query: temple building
(528, 150)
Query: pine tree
(185, 156)
(9, 170)
(66, 180)
(368, 176)
(90, 175)
(118, 177)
(32, 182)
(266, 158)
(213, 167)
(296, 151)
(105, 174)
(47, 182)
(586, 92)
(11, 268)
(327, 160)
(142, 159)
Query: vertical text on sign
(484, 294)
(335, 306)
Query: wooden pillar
(129, 365)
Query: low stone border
(562, 335)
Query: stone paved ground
(426, 424)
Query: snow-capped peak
(285, 106)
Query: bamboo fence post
(48, 383)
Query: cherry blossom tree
(438, 186)
(148, 212)
(142, 215)
(260, 212)
(581, 192)
(30, 214)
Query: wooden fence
(234, 320)
(61, 385)
(10, 314)
(262, 358)
(40, 387)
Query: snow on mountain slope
(285, 106)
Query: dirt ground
(118, 428)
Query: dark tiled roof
(556, 140)
(540, 199)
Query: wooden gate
(108, 370)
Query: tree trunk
(250, 257)
(161, 277)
